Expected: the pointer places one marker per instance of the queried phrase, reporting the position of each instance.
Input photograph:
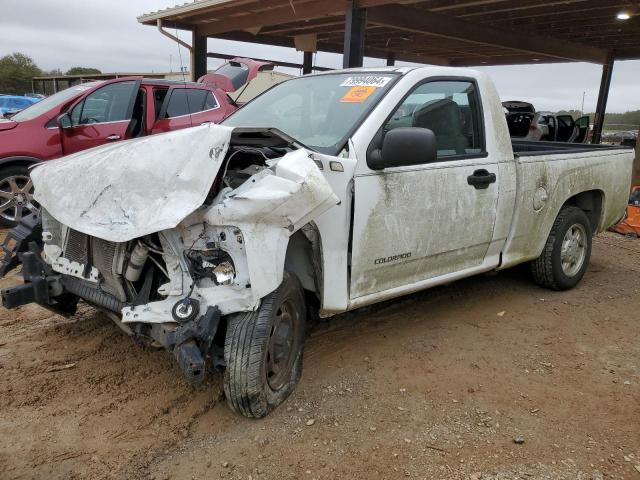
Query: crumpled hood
(136, 187)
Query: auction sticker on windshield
(376, 81)
(357, 94)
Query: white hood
(136, 187)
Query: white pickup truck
(327, 192)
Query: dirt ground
(436, 385)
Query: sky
(107, 36)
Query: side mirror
(64, 121)
(405, 146)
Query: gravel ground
(436, 385)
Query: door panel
(415, 223)
(565, 128)
(424, 223)
(175, 112)
(186, 107)
(103, 116)
(582, 126)
(83, 137)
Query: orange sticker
(357, 94)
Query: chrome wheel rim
(16, 198)
(280, 350)
(574, 250)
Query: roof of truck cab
(431, 69)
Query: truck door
(420, 222)
(565, 129)
(101, 117)
(581, 130)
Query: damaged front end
(169, 235)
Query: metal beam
(198, 56)
(276, 16)
(277, 63)
(391, 58)
(421, 21)
(635, 173)
(334, 48)
(307, 63)
(355, 23)
(603, 95)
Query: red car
(92, 114)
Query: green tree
(83, 71)
(16, 72)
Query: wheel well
(591, 203)
(18, 161)
(304, 258)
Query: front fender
(268, 209)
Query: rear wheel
(566, 254)
(263, 351)
(16, 195)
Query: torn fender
(268, 209)
(136, 187)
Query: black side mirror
(405, 146)
(64, 121)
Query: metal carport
(439, 32)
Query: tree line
(17, 70)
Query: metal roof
(441, 32)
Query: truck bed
(531, 148)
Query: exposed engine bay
(218, 256)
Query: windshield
(48, 103)
(318, 111)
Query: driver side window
(450, 109)
(111, 103)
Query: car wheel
(16, 195)
(566, 254)
(263, 351)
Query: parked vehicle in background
(12, 104)
(525, 123)
(244, 79)
(627, 138)
(93, 114)
(330, 191)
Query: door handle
(481, 179)
(113, 138)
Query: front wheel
(263, 351)
(16, 195)
(566, 254)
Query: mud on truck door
(421, 221)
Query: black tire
(548, 270)
(250, 384)
(9, 208)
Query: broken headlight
(216, 265)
